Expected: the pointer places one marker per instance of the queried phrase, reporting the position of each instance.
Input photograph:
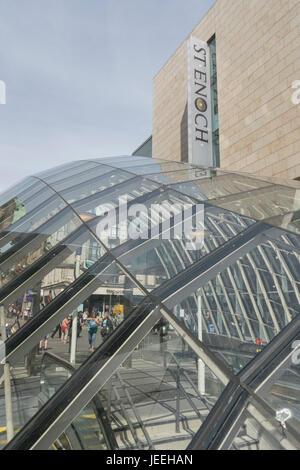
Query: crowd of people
(94, 322)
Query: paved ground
(55, 346)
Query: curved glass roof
(203, 265)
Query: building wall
(258, 59)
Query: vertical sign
(199, 104)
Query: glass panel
(245, 306)
(95, 185)
(160, 395)
(26, 188)
(222, 185)
(88, 430)
(104, 292)
(54, 373)
(118, 162)
(51, 173)
(289, 183)
(96, 204)
(86, 175)
(290, 221)
(281, 390)
(29, 249)
(263, 203)
(72, 170)
(44, 280)
(154, 260)
(260, 431)
(217, 324)
(186, 175)
(128, 163)
(112, 292)
(16, 206)
(169, 216)
(291, 239)
(152, 167)
(45, 206)
(284, 393)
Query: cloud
(79, 76)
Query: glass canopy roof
(205, 265)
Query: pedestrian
(17, 316)
(79, 324)
(45, 341)
(92, 331)
(107, 326)
(85, 317)
(113, 319)
(57, 329)
(26, 314)
(162, 326)
(64, 330)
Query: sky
(78, 76)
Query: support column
(7, 387)
(201, 365)
(75, 316)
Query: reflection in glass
(31, 248)
(98, 203)
(290, 221)
(190, 174)
(263, 203)
(260, 431)
(281, 390)
(218, 186)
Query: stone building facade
(258, 62)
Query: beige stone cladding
(258, 60)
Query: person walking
(64, 330)
(44, 343)
(85, 317)
(57, 329)
(79, 324)
(107, 326)
(92, 331)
